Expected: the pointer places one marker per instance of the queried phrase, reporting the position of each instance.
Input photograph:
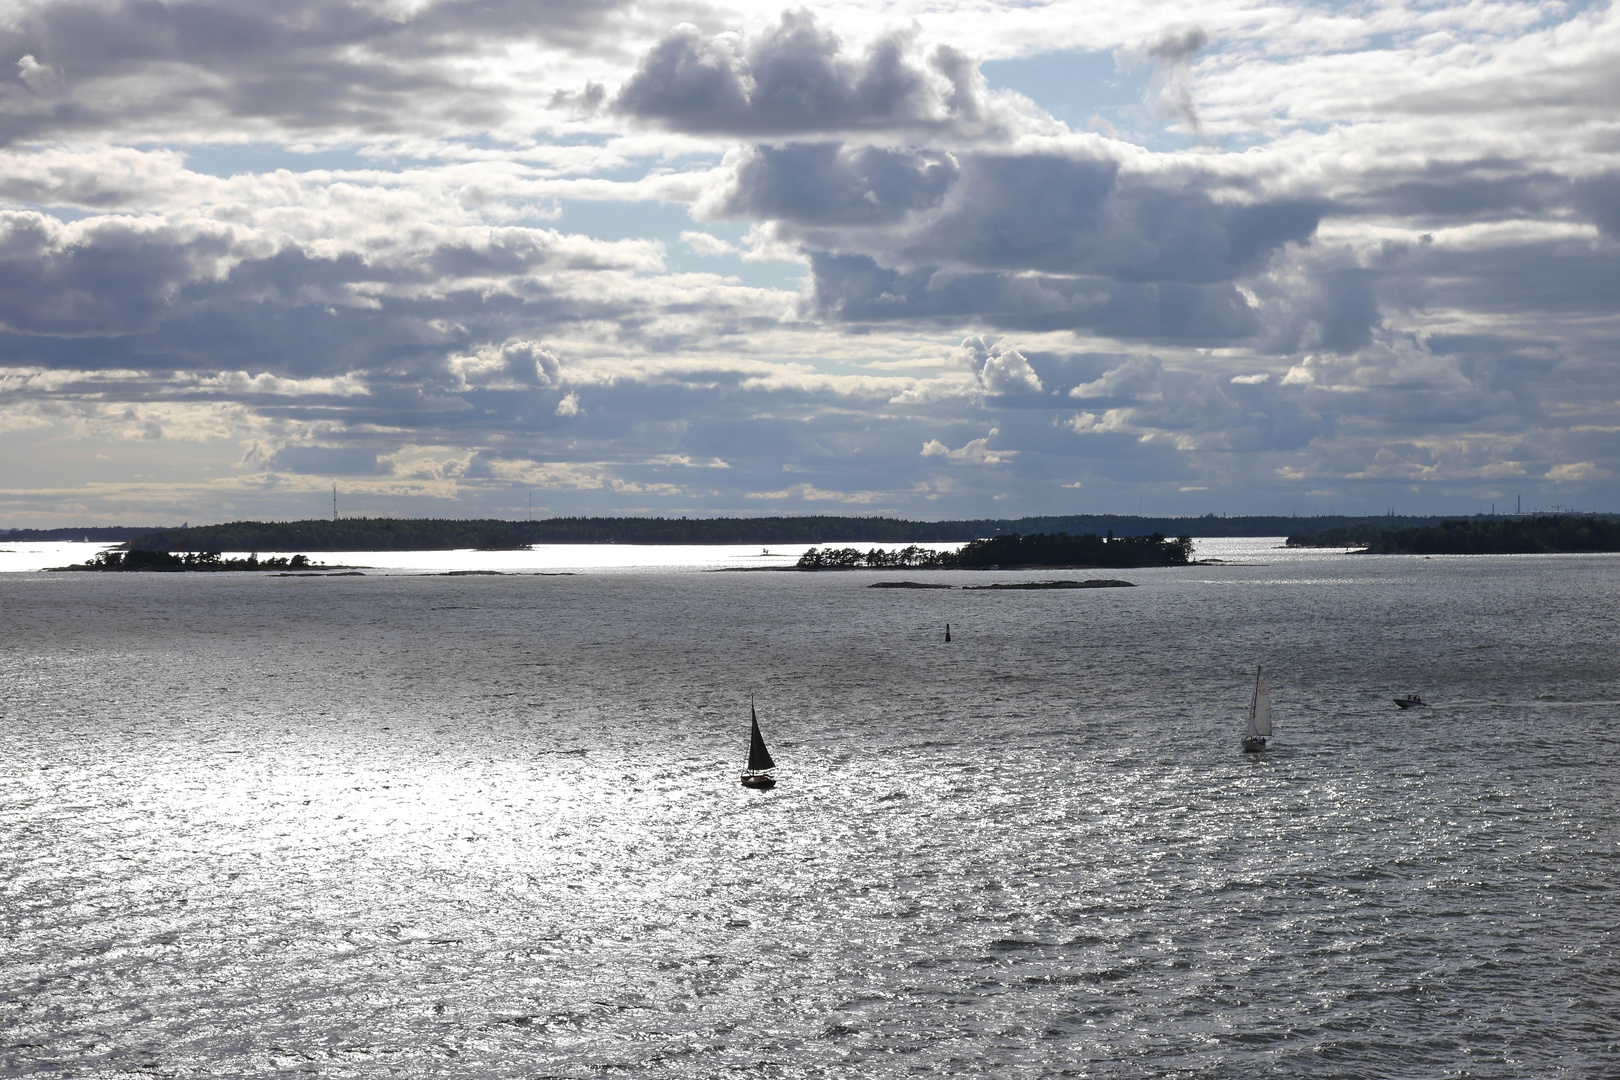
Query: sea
(417, 822)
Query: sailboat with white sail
(1259, 729)
(760, 762)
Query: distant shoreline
(1563, 534)
(437, 534)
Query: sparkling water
(411, 825)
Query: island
(1015, 552)
(1534, 535)
(1089, 583)
(1066, 583)
(192, 561)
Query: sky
(467, 258)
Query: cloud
(1172, 54)
(112, 65)
(1195, 410)
(325, 460)
(706, 244)
(1040, 241)
(855, 288)
(796, 79)
(1575, 472)
(833, 184)
(999, 368)
(41, 78)
(809, 493)
(111, 275)
(511, 366)
(453, 246)
(1599, 198)
(974, 452)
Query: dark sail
(759, 758)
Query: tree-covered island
(1539, 535)
(1042, 550)
(196, 561)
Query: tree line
(1541, 534)
(437, 534)
(1011, 552)
(192, 560)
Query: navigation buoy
(947, 633)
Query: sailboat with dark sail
(1259, 729)
(760, 762)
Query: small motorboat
(1411, 701)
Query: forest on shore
(439, 534)
(1013, 553)
(1537, 535)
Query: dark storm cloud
(304, 62)
(793, 81)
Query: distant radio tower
(334, 500)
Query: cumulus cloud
(856, 288)
(834, 184)
(973, 452)
(1194, 410)
(344, 64)
(449, 247)
(1043, 241)
(109, 275)
(40, 78)
(510, 366)
(1076, 213)
(1575, 472)
(796, 79)
(1000, 368)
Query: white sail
(1260, 712)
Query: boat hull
(1411, 703)
(1254, 745)
(759, 781)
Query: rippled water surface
(491, 826)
